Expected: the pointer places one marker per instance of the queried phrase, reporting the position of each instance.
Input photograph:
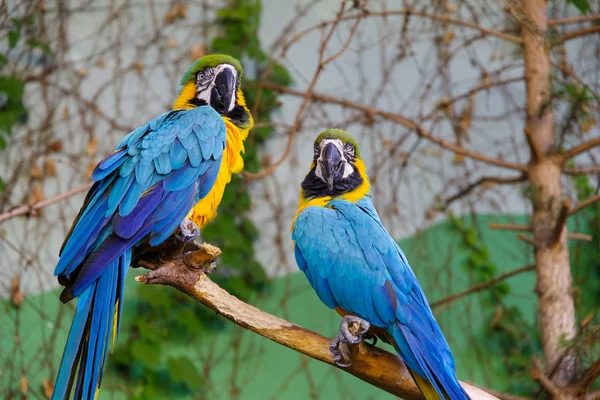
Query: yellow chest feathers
(231, 163)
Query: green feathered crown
(344, 136)
(210, 61)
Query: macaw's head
(214, 80)
(336, 168)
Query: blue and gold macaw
(169, 170)
(357, 269)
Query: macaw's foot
(188, 231)
(352, 331)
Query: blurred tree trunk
(548, 224)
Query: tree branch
(481, 181)
(581, 148)
(574, 20)
(406, 122)
(33, 208)
(371, 364)
(584, 204)
(582, 170)
(481, 286)
(579, 33)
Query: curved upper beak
(332, 165)
(223, 91)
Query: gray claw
(188, 231)
(338, 346)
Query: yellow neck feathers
(231, 163)
(187, 93)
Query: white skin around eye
(205, 87)
(348, 169)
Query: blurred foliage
(507, 335)
(165, 317)
(12, 88)
(582, 5)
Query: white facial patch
(207, 81)
(348, 168)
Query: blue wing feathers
(353, 263)
(144, 188)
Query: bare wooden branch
(509, 227)
(479, 182)
(371, 364)
(580, 33)
(581, 148)
(406, 122)
(574, 20)
(31, 209)
(481, 286)
(526, 228)
(582, 170)
(584, 204)
(526, 239)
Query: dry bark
(370, 364)
(548, 224)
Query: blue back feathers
(145, 188)
(353, 263)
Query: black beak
(223, 91)
(332, 165)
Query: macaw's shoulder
(204, 121)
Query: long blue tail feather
(90, 334)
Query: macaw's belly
(231, 163)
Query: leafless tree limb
(375, 366)
(481, 286)
(406, 122)
(33, 208)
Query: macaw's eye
(204, 75)
(317, 149)
(349, 150)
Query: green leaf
(12, 110)
(182, 369)
(149, 353)
(582, 5)
(14, 33)
(35, 43)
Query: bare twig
(574, 20)
(406, 122)
(580, 33)
(582, 170)
(509, 227)
(33, 208)
(527, 228)
(584, 204)
(375, 366)
(320, 67)
(481, 286)
(581, 148)
(525, 239)
(481, 181)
